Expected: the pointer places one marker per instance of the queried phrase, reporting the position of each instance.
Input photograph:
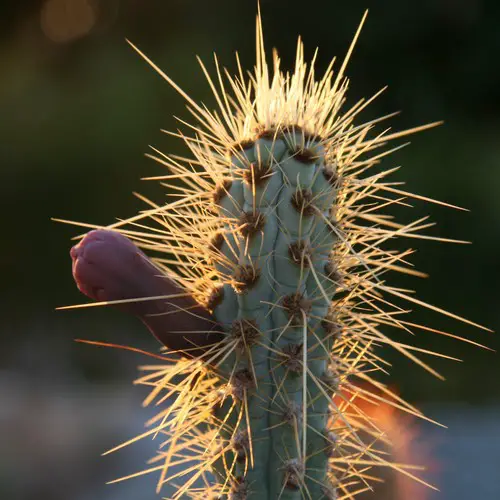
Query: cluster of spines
(277, 181)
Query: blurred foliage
(78, 109)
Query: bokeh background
(78, 108)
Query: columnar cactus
(279, 232)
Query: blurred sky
(78, 109)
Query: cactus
(280, 233)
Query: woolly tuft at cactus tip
(279, 233)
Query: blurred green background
(78, 109)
